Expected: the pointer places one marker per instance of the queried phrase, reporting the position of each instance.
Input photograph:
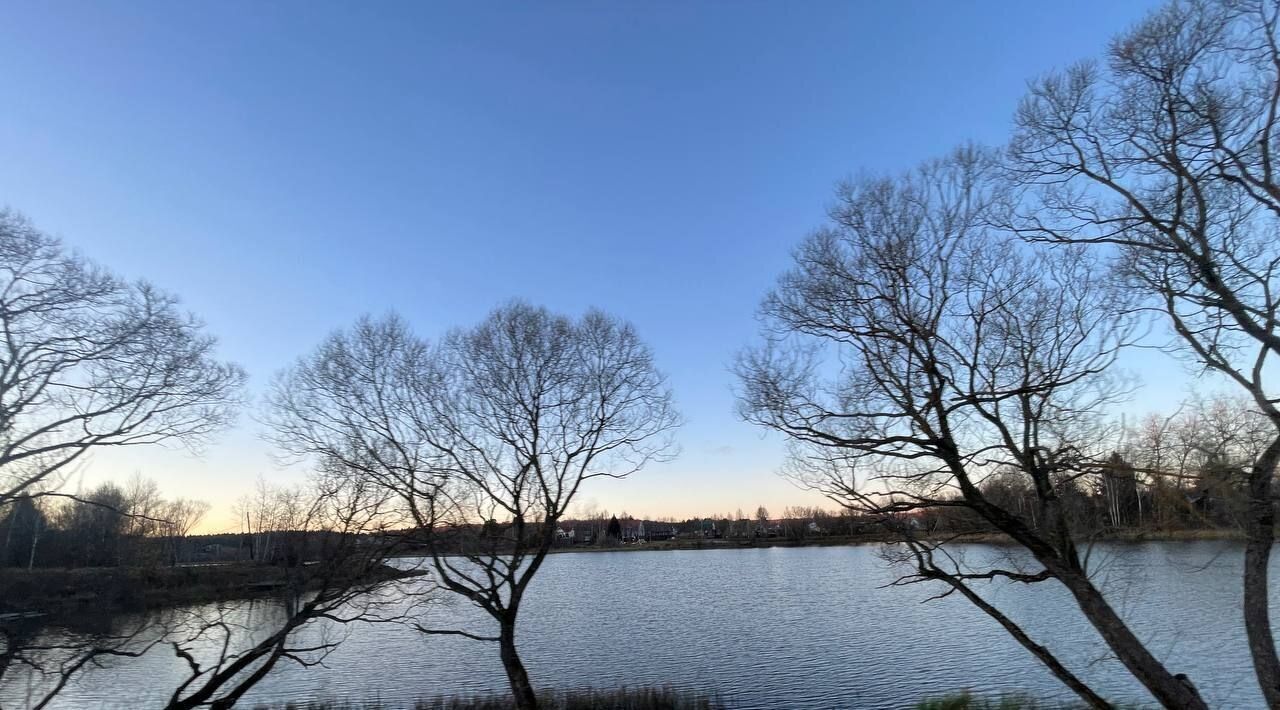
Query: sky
(285, 167)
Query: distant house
(630, 530)
(771, 530)
(1201, 500)
(705, 528)
(659, 531)
(633, 531)
(647, 530)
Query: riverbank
(56, 591)
(664, 698)
(647, 699)
(1135, 536)
(1126, 536)
(722, 544)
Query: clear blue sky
(287, 166)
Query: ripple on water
(769, 628)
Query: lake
(770, 628)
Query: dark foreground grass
(665, 698)
(965, 700)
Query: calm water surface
(773, 628)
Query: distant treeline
(133, 526)
(1183, 472)
(1188, 471)
(109, 525)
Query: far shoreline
(983, 538)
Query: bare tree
(1192, 466)
(181, 516)
(762, 520)
(349, 582)
(485, 439)
(1166, 158)
(44, 666)
(142, 504)
(271, 515)
(229, 647)
(96, 523)
(916, 343)
(88, 360)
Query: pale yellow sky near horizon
(230, 466)
(705, 478)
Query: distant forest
(1181, 472)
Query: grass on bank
(965, 700)
(58, 591)
(664, 698)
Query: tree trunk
(229, 700)
(521, 690)
(8, 537)
(1060, 558)
(1078, 686)
(1260, 535)
(1172, 691)
(35, 539)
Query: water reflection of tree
(226, 648)
(916, 351)
(39, 661)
